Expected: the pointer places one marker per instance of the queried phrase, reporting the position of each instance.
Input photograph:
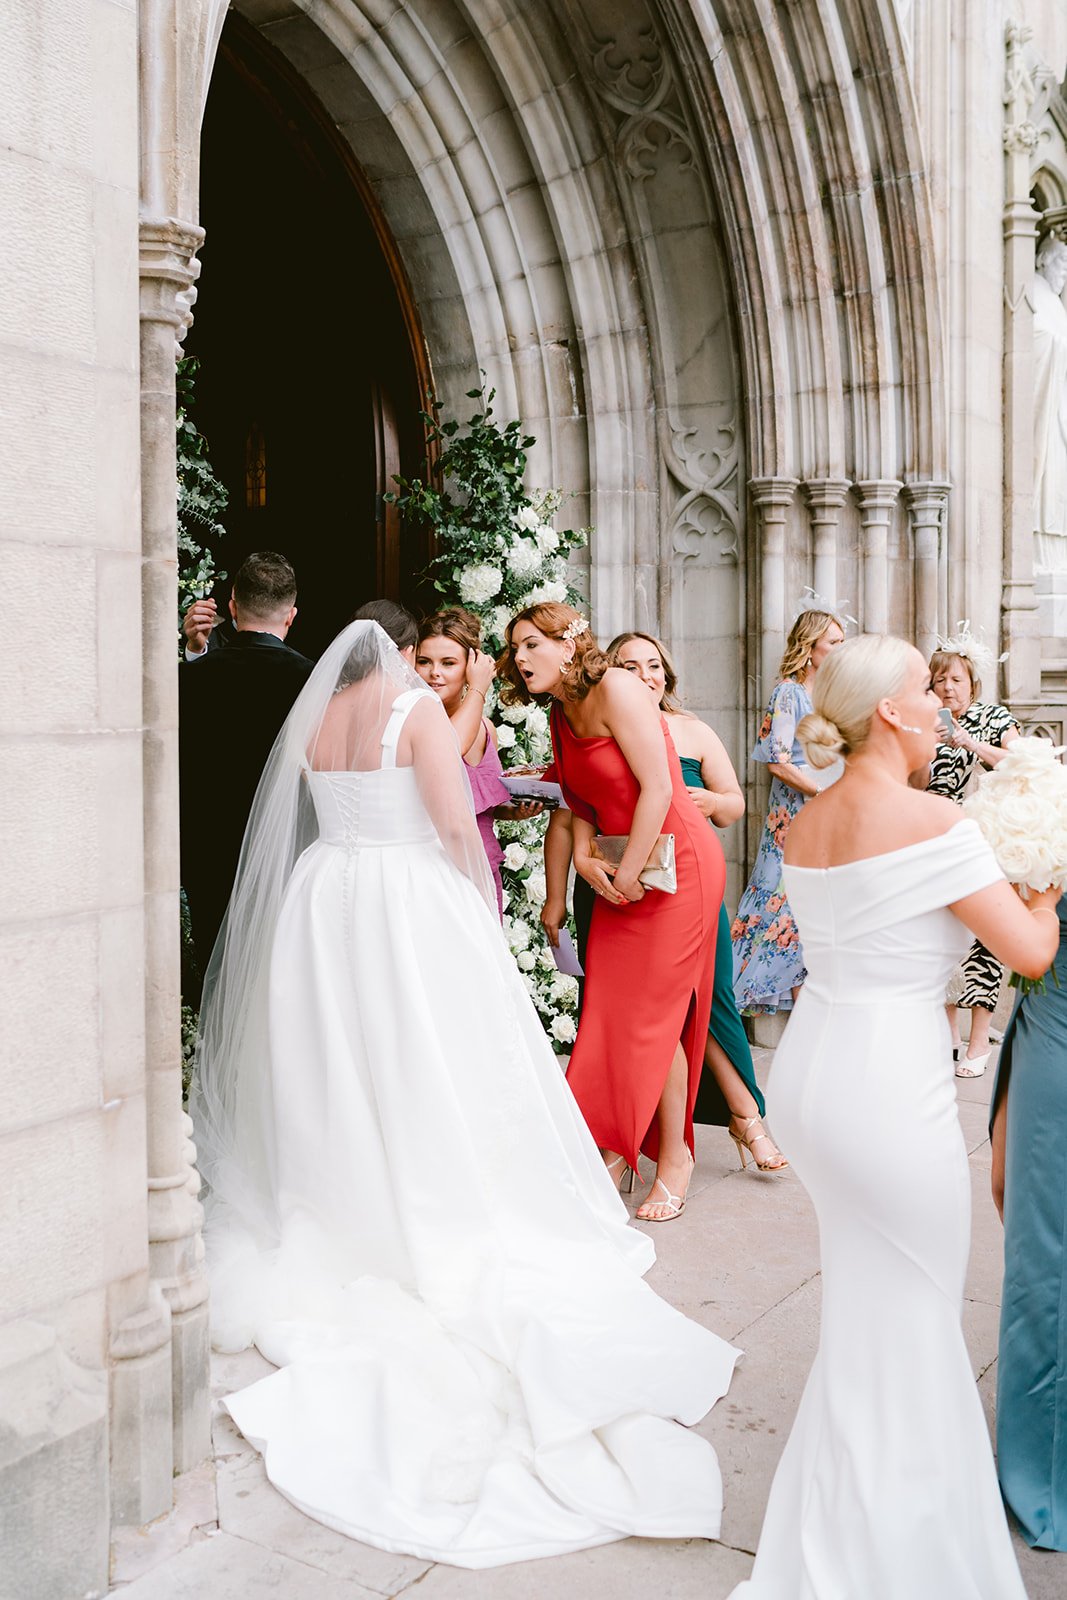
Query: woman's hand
(481, 670)
(962, 739)
(521, 811)
(705, 801)
(632, 889)
(553, 916)
(598, 875)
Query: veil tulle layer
(336, 725)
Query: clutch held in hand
(658, 871)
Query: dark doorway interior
(311, 373)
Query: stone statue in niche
(1050, 408)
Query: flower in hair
(573, 629)
(811, 600)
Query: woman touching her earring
(636, 1062)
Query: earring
(905, 729)
(565, 667)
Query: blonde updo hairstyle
(848, 687)
(552, 618)
(804, 635)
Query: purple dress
(489, 792)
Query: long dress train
(471, 1368)
(886, 1489)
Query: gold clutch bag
(658, 871)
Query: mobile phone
(945, 717)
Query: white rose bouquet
(1021, 808)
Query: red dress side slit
(650, 964)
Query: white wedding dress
(471, 1368)
(886, 1489)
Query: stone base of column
(191, 1380)
(53, 1468)
(141, 1444)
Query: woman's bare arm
(633, 719)
(1017, 931)
(559, 845)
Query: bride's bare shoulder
(848, 823)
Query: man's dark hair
(398, 623)
(265, 586)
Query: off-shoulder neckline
(885, 855)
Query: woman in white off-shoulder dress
(886, 1489)
(406, 1212)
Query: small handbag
(658, 871)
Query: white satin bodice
(370, 809)
(879, 930)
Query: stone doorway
(312, 367)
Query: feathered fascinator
(971, 647)
(811, 600)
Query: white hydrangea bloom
(526, 960)
(499, 619)
(523, 558)
(563, 1029)
(515, 856)
(564, 987)
(549, 592)
(517, 933)
(513, 714)
(478, 584)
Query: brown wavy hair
(552, 619)
(941, 660)
(454, 623)
(670, 702)
(804, 635)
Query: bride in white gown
(406, 1213)
(886, 1489)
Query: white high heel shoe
(972, 1066)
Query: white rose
(478, 584)
(535, 717)
(563, 1029)
(518, 934)
(536, 888)
(526, 519)
(505, 736)
(514, 857)
(523, 558)
(547, 538)
(526, 960)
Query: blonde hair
(804, 635)
(848, 686)
(941, 660)
(670, 702)
(554, 620)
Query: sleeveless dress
(650, 964)
(488, 792)
(724, 1024)
(471, 1367)
(1032, 1366)
(886, 1486)
(768, 961)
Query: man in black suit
(232, 703)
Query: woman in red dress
(651, 956)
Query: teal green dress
(725, 1026)
(1032, 1365)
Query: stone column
(772, 498)
(1019, 606)
(926, 504)
(168, 270)
(825, 497)
(877, 497)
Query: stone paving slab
(744, 1261)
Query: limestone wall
(72, 1105)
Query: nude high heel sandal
(745, 1141)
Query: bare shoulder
(854, 820)
(620, 688)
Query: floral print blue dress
(768, 959)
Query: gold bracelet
(472, 688)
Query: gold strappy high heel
(744, 1142)
(629, 1177)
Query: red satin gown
(650, 964)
